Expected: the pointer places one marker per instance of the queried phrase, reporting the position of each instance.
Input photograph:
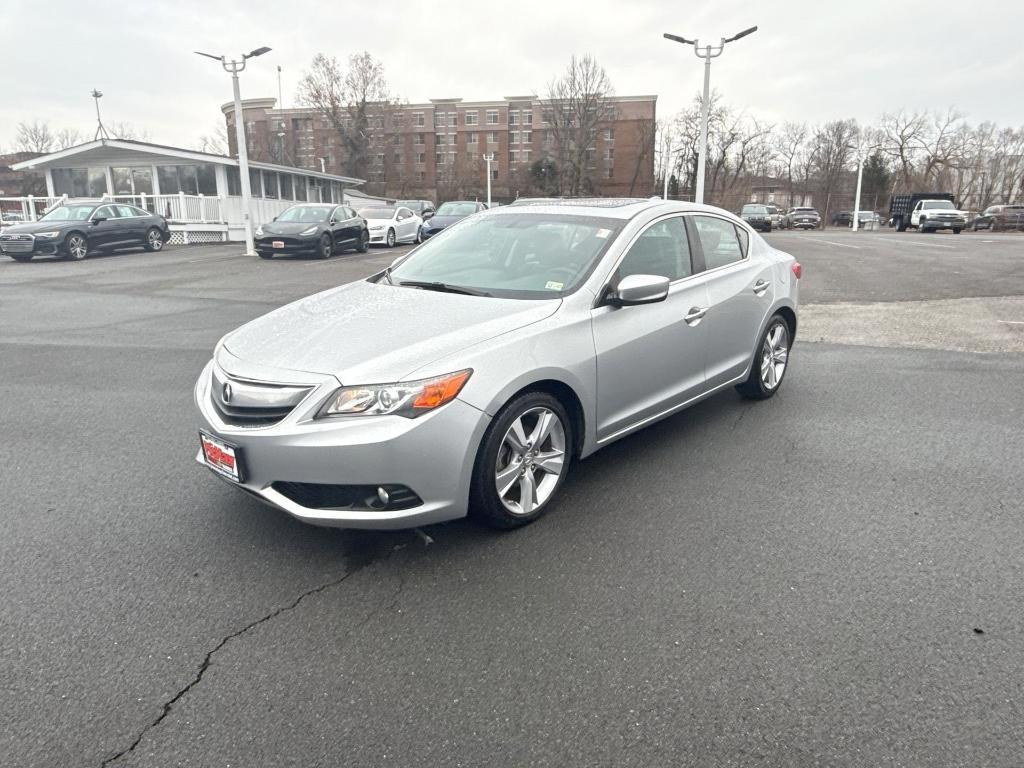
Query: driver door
(650, 358)
(105, 233)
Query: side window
(744, 240)
(349, 213)
(338, 214)
(661, 250)
(719, 240)
(125, 211)
(107, 212)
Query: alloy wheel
(774, 355)
(155, 239)
(77, 247)
(531, 460)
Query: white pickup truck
(931, 215)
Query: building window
(418, 139)
(492, 117)
(421, 158)
(471, 137)
(270, 185)
(527, 117)
(255, 185)
(492, 137)
(398, 158)
(513, 156)
(452, 119)
(379, 158)
(526, 136)
(513, 137)
(439, 158)
(608, 172)
(609, 154)
(440, 139)
(438, 119)
(421, 176)
(300, 188)
(494, 174)
(190, 179)
(513, 118)
(471, 117)
(287, 190)
(417, 119)
(609, 134)
(526, 155)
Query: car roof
(606, 207)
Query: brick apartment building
(437, 150)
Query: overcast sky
(811, 61)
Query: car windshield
(304, 214)
(943, 205)
(754, 209)
(806, 210)
(377, 213)
(456, 209)
(516, 255)
(413, 205)
(69, 213)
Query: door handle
(760, 287)
(695, 314)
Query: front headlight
(308, 232)
(405, 398)
(376, 227)
(47, 234)
(258, 232)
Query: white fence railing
(177, 209)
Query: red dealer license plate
(277, 243)
(221, 457)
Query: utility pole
(708, 52)
(234, 67)
(487, 157)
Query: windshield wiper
(442, 287)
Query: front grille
(247, 403)
(351, 497)
(17, 243)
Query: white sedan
(392, 224)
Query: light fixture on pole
(708, 52)
(234, 67)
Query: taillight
(797, 269)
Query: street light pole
(234, 67)
(856, 203)
(487, 157)
(708, 52)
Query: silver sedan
(471, 374)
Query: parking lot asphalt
(831, 577)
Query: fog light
(383, 495)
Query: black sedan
(448, 214)
(317, 229)
(77, 228)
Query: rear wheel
(770, 361)
(154, 240)
(76, 246)
(523, 460)
(391, 238)
(364, 242)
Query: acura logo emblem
(225, 393)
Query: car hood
(287, 227)
(365, 332)
(440, 222)
(380, 222)
(32, 227)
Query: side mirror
(98, 219)
(333, 222)
(427, 214)
(639, 289)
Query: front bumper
(432, 455)
(292, 245)
(807, 224)
(29, 245)
(944, 224)
(426, 234)
(380, 236)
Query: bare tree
(34, 137)
(215, 142)
(830, 156)
(128, 132)
(355, 102)
(903, 135)
(577, 106)
(790, 145)
(68, 137)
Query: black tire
(900, 226)
(325, 249)
(364, 242)
(154, 240)
(956, 230)
(756, 387)
(76, 246)
(263, 255)
(21, 257)
(484, 502)
(391, 238)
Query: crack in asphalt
(208, 659)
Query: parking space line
(842, 245)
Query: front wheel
(523, 460)
(76, 247)
(391, 238)
(154, 240)
(326, 247)
(364, 242)
(956, 230)
(770, 362)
